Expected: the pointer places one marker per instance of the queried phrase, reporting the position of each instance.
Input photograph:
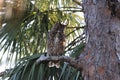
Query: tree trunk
(100, 60)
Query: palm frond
(25, 39)
(28, 70)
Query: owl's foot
(54, 64)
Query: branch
(77, 2)
(81, 27)
(73, 62)
(5, 72)
(2, 73)
(80, 37)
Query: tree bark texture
(101, 57)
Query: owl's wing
(59, 45)
(50, 44)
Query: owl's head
(61, 27)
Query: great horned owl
(56, 43)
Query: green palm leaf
(25, 39)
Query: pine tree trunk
(101, 61)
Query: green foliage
(26, 40)
(28, 70)
(77, 50)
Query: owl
(56, 43)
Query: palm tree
(23, 37)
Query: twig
(71, 46)
(5, 72)
(2, 73)
(74, 41)
(81, 27)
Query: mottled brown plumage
(56, 42)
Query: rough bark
(100, 60)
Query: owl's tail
(54, 64)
